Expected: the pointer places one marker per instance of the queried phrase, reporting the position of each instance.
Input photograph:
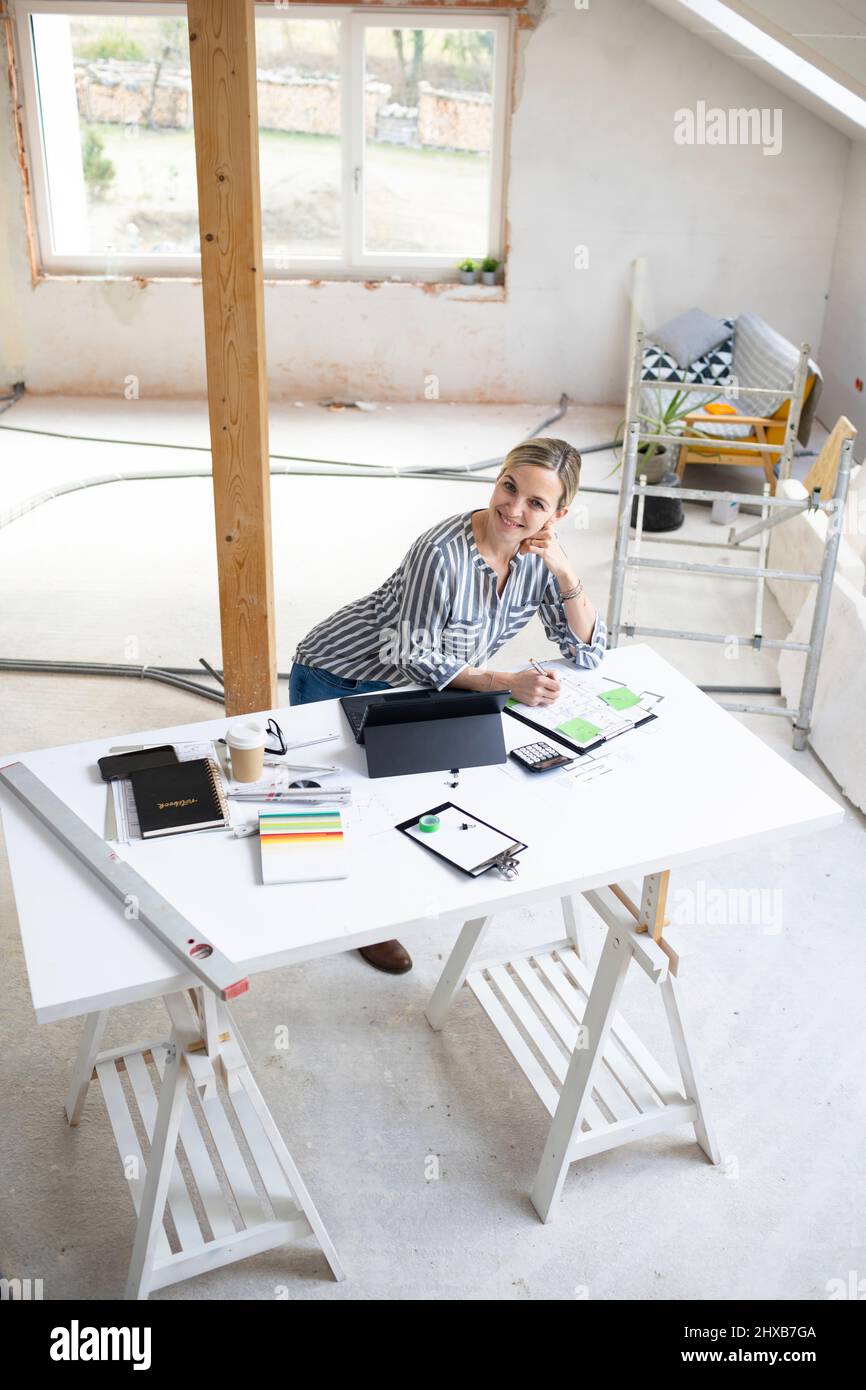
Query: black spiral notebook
(181, 796)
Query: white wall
(843, 345)
(593, 162)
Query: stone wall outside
(119, 93)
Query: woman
(466, 586)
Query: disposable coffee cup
(246, 743)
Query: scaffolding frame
(774, 512)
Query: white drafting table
(692, 784)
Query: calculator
(540, 757)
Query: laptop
(404, 731)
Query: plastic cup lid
(246, 733)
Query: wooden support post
(225, 117)
(652, 906)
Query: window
(381, 141)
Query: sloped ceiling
(831, 34)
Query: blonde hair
(561, 458)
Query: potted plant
(468, 271)
(489, 267)
(655, 461)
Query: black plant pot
(660, 513)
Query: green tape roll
(429, 823)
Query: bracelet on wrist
(574, 592)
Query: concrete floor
(364, 1097)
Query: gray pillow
(690, 335)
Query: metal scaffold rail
(774, 512)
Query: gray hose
(287, 464)
(7, 402)
(101, 668)
(317, 467)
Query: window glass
(299, 149)
(116, 110)
(428, 99)
(116, 106)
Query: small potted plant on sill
(468, 271)
(657, 463)
(489, 267)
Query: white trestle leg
(703, 1129)
(191, 1094)
(598, 1081)
(575, 927)
(91, 1038)
(454, 974)
(582, 1069)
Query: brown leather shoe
(389, 956)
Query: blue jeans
(310, 683)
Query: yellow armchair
(769, 430)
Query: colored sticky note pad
(622, 698)
(302, 846)
(579, 729)
(511, 701)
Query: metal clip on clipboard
(506, 865)
(503, 860)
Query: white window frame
(354, 263)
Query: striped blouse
(440, 612)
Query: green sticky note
(622, 698)
(511, 701)
(579, 729)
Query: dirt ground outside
(417, 200)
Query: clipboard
(473, 854)
(561, 733)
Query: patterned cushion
(754, 355)
(714, 366)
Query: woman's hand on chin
(545, 544)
